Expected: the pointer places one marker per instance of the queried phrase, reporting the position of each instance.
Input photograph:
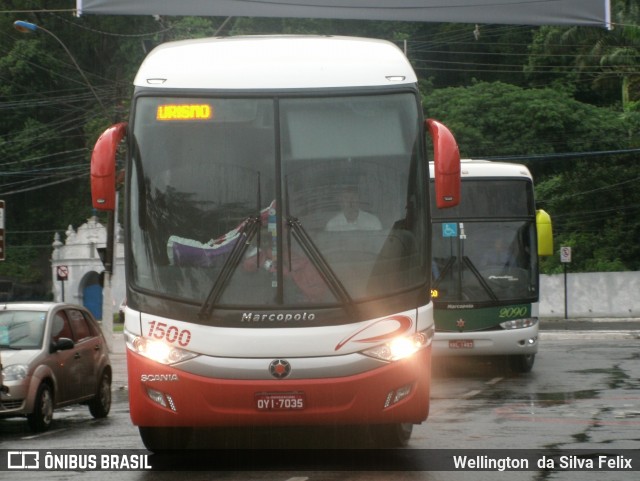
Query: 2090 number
(511, 312)
(171, 334)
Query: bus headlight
(157, 351)
(519, 323)
(401, 347)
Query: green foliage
(594, 205)
(592, 200)
(20, 265)
(600, 66)
(499, 119)
(453, 55)
(394, 31)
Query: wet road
(583, 393)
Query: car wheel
(522, 363)
(391, 435)
(164, 439)
(42, 416)
(100, 405)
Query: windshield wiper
(315, 256)
(445, 270)
(478, 276)
(320, 263)
(469, 264)
(248, 231)
(251, 226)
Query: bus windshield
(484, 250)
(241, 202)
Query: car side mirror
(62, 344)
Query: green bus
(485, 252)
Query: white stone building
(78, 261)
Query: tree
(499, 119)
(592, 200)
(50, 121)
(448, 55)
(598, 65)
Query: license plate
(461, 344)
(280, 401)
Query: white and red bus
(277, 221)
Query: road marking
(475, 392)
(493, 381)
(298, 478)
(470, 394)
(46, 433)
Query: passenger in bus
(352, 217)
(500, 255)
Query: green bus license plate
(280, 401)
(461, 344)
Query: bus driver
(352, 217)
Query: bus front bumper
(487, 343)
(161, 395)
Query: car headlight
(519, 323)
(401, 347)
(158, 351)
(15, 372)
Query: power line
(41, 186)
(562, 155)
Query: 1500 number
(170, 334)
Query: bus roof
(275, 62)
(488, 168)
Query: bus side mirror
(545, 233)
(103, 167)
(446, 165)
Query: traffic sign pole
(565, 258)
(2, 232)
(62, 273)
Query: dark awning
(516, 12)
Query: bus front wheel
(391, 435)
(164, 439)
(522, 363)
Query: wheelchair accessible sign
(450, 229)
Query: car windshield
(22, 329)
(273, 202)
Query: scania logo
(280, 368)
(159, 377)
